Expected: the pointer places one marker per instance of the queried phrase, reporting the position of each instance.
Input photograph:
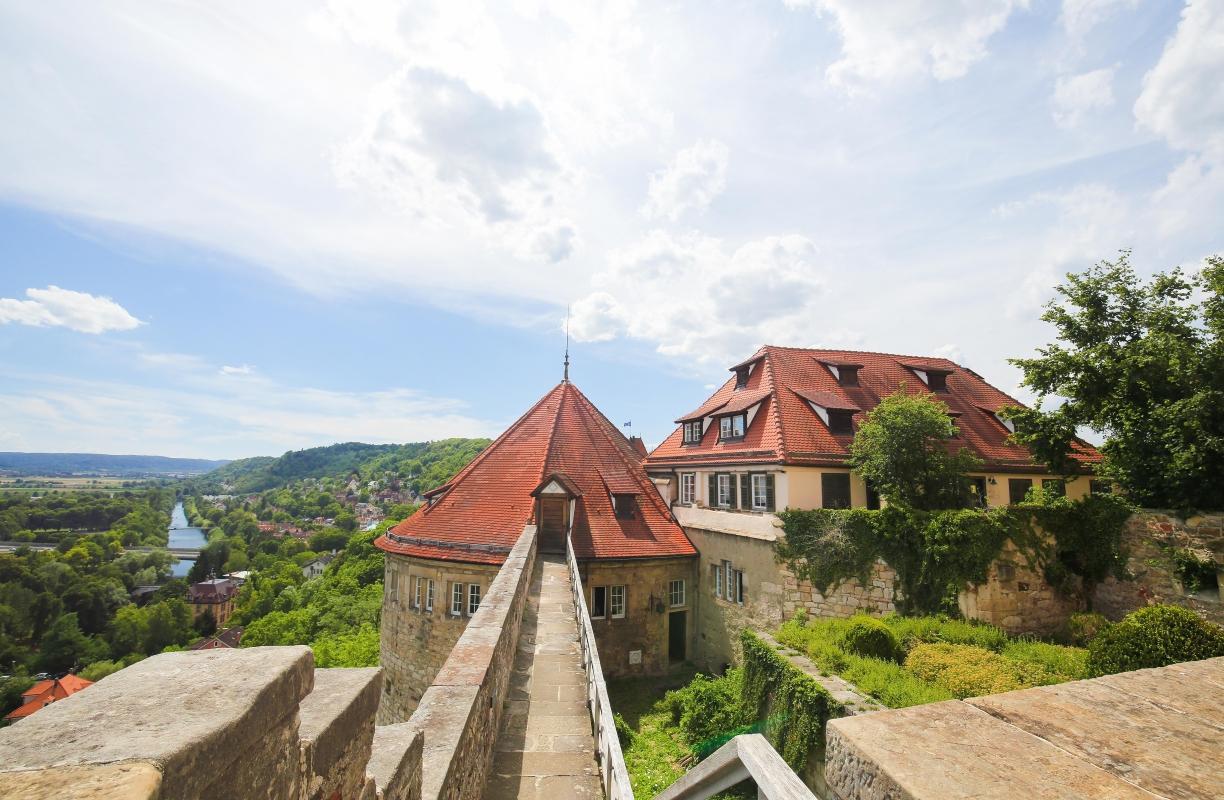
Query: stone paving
(545, 748)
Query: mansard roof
(786, 429)
(482, 511)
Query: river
(183, 535)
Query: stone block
(396, 756)
(131, 780)
(337, 727)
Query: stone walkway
(545, 748)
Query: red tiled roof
(787, 430)
(483, 512)
(46, 692)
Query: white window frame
(616, 599)
(729, 578)
(418, 591)
(676, 594)
(456, 608)
(722, 482)
(688, 487)
(692, 432)
(724, 428)
(718, 579)
(473, 598)
(761, 482)
(736, 593)
(603, 614)
(429, 594)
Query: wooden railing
(749, 755)
(607, 746)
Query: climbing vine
(796, 706)
(935, 553)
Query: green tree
(64, 646)
(206, 623)
(169, 623)
(345, 521)
(128, 631)
(1143, 363)
(906, 449)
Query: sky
(232, 229)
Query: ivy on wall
(798, 706)
(935, 553)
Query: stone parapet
(257, 722)
(461, 710)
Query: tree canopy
(1143, 363)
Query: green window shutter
(769, 492)
(745, 491)
(712, 501)
(734, 490)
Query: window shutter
(769, 492)
(712, 499)
(745, 491)
(734, 490)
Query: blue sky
(230, 229)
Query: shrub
(1067, 663)
(624, 733)
(1083, 627)
(916, 630)
(1155, 636)
(707, 708)
(968, 671)
(867, 636)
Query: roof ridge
(783, 450)
(552, 429)
(471, 465)
(792, 348)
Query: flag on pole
(628, 424)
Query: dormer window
(625, 505)
(937, 381)
(732, 427)
(741, 376)
(847, 375)
(692, 432)
(840, 420)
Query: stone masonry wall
(415, 641)
(1016, 598)
(256, 722)
(1152, 537)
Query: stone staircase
(545, 748)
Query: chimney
(638, 445)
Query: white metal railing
(748, 755)
(607, 746)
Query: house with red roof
(44, 693)
(777, 434)
(216, 595)
(564, 468)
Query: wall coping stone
(130, 780)
(343, 701)
(395, 749)
(183, 711)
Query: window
(617, 606)
(624, 503)
(456, 599)
(473, 598)
(732, 427)
(735, 592)
(675, 593)
(692, 432)
(392, 586)
(1054, 486)
(418, 592)
(599, 602)
(741, 377)
(429, 595)
(840, 420)
(938, 381)
(976, 493)
(835, 489)
(1100, 487)
(847, 375)
(716, 578)
(760, 492)
(729, 571)
(688, 487)
(873, 497)
(726, 494)
(1017, 489)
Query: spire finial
(565, 377)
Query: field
(39, 484)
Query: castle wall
(416, 641)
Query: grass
(658, 754)
(970, 658)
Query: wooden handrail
(748, 755)
(612, 769)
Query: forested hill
(102, 464)
(421, 464)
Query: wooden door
(553, 524)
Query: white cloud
(886, 40)
(1079, 17)
(244, 369)
(193, 414)
(696, 176)
(693, 299)
(78, 311)
(1077, 96)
